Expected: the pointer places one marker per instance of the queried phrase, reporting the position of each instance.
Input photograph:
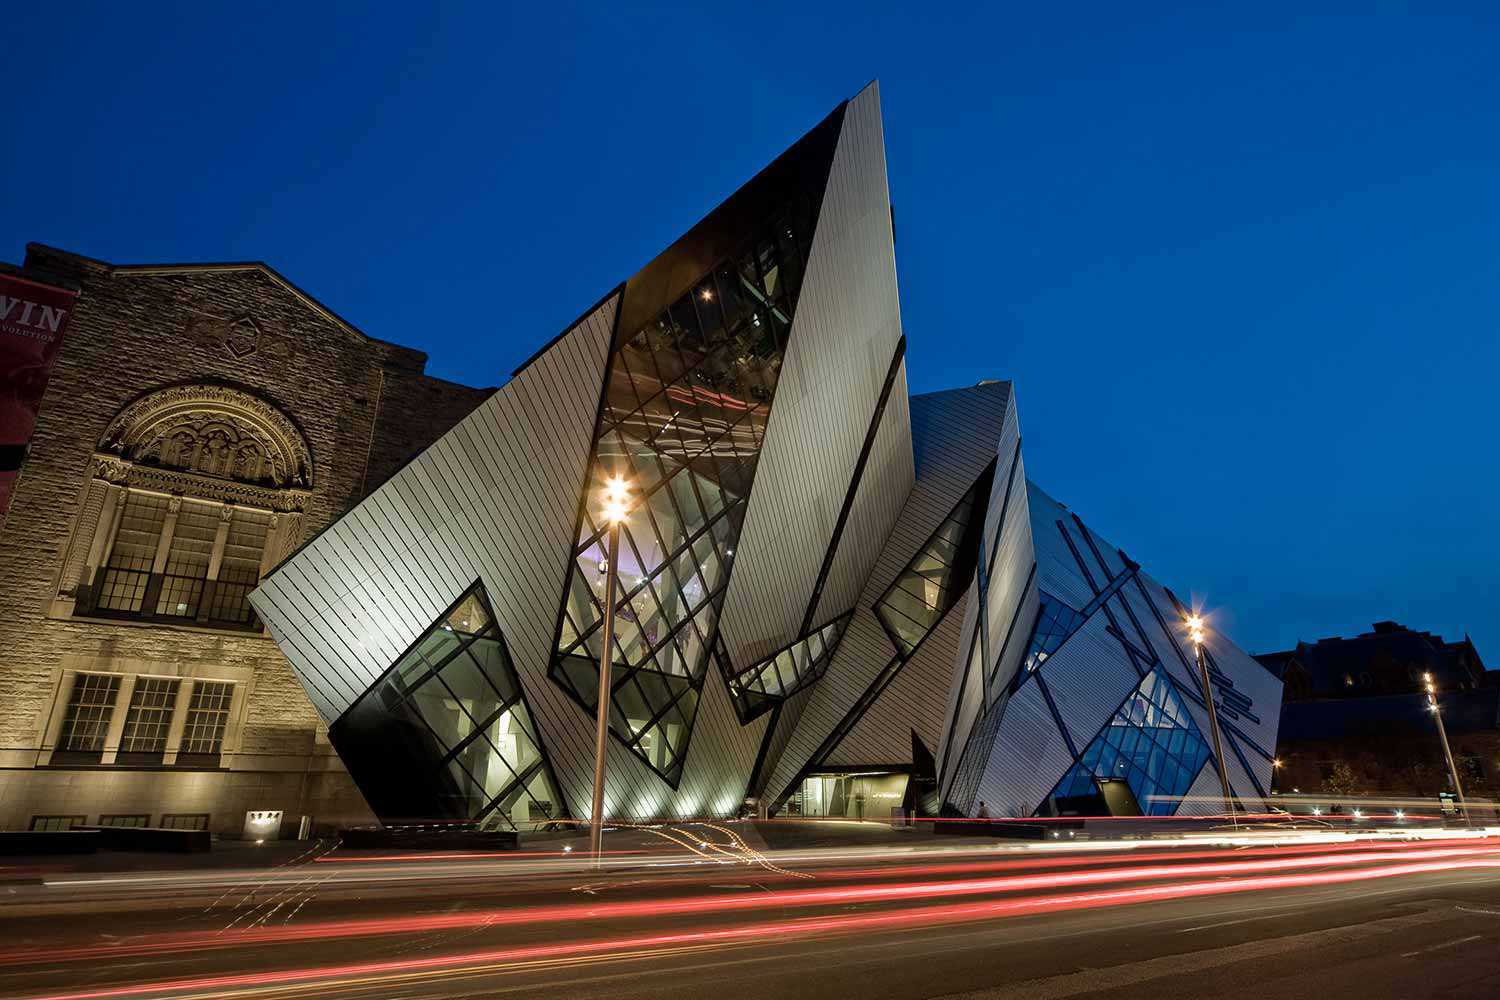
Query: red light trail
(568, 914)
(757, 932)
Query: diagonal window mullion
(517, 781)
(661, 714)
(689, 619)
(667, 561)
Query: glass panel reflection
(939, 573)
(876, 796)
(458, 682)
(1151, 742)
(760, 686)
(685, 412)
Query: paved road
(698, 911)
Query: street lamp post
(616, 507)
(1195, 632)
(1437, 713)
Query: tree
(1340, 780)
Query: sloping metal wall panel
(1254, 682)
(861, 656)
(1089, 677)
(1169, 643)
(1009, 558)
(1203, 797)
(1028, 759)
(1239, 781)
(888, 477)
(720, 756)
(1057, 571)
(965, 694)
(916, 700)
(843, 336)
(1011, 562)
(494, 498)
(786, 725)
(953, 437)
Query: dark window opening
(939, 573)
(48, 824)
(446, 734)
(184, 821)
(91, 705)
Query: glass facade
(684, 415)
(760, 686)
(1055, 621)
(1151, 743)
(872, 795)
(939, 573)
(452, 709)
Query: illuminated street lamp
(1195, 632)
(1437, 713)
(616, 507)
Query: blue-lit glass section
(1055, 621)
(1151, 742)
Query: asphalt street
(709, 910)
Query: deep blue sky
(1242, 266)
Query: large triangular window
(763, 685)
(684, 415)
(939, 573)
(446, 732)
(1151, 742)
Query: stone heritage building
(202, 420)
(1360, 702)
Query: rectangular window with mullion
(188, 558)
(239, 568)
(128, 569)
(148, 720)
(207, 719)
(91, 705)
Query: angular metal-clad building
(834, 597)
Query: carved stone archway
(202, 442)
(214, 431)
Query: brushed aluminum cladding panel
(954, 434)
(916, 700)
(1089, 677)
(495, 498)
(843, 337)
(1028, 759)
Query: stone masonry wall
(363, 406)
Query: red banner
(33, 319)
